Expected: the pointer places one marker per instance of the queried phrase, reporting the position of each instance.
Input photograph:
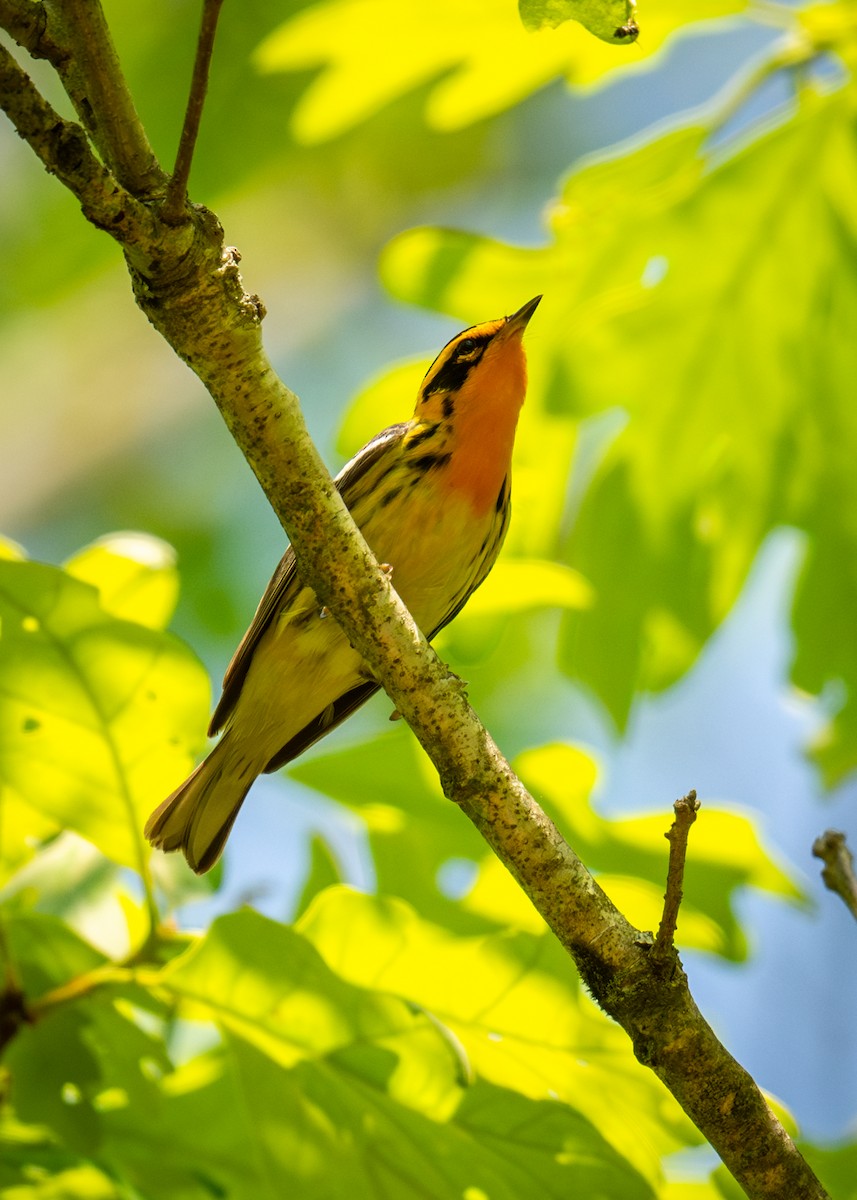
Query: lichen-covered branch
(189, 286)
(100, 95)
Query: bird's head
(483, 366)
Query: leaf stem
(77, 988)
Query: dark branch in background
(838, 872)
(174, 205)
(685, 811)
(188, 285)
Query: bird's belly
(304, 662)
(434, 549)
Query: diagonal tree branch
(100, 94)
(189, 286)
(74, 37)
(65, 151)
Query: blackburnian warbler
(432, 497)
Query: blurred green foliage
(691, 390)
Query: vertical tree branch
(685, 814)
(174, 205)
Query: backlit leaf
(475, 53)
(610, 20)
(98, 717)
(332, 1129)
(521, 1025)
(738, 413)
(518, 584)
(135, 574)
(267, 985)
(724, 855)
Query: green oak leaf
(723, 413)
(99, 717)
(611, 20)
(474, 54)
(523, 1025)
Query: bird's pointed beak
(517, 323)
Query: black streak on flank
(501, 498)
(431, 462)
(448, 405)
(422, 435)
(389, 498)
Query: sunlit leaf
(135, 574)
(384, 400)
(40, 1173)
(318, 1138)
(521, 1025)
(11, 550)
(518, 584)
(610, 20)
(267, 985)
(725, 851)
(69, 878)
(475, 52)
(98, 717)
(22, 831)
(741, 415)
(696, 1190)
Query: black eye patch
(463, 358)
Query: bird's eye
(467, 346)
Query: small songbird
(432, 498)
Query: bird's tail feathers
(197, 817)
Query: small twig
(685, 811)
(838, 873)
(173, 207)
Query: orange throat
(484, 429)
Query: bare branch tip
(174, 208)
(838, 872)
(685, 809)
(688, 804)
